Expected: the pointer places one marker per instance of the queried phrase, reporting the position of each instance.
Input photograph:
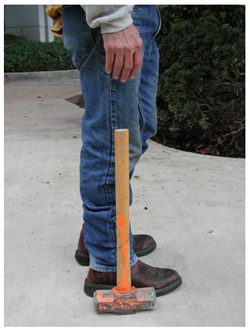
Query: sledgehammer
(124, 298)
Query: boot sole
(147, 251)
(90, 288)
(83, 259)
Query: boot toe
(163, 280)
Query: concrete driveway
(193, 205)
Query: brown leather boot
(142, 245)
(163, 280)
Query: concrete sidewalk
(192, 204)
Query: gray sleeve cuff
(110, 18)
(117, 25)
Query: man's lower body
(110, 105)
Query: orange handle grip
(122, 209)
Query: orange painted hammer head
(112, 301)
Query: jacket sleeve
(110, 18)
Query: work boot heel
(82, 258)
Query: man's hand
(123, 53)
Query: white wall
(29, 21)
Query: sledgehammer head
(112, 301)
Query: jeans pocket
(77, 35)
(159, 23)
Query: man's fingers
(124, 66)
(109, 61)
(136, 64)
(123, 53)
(118, 65)
(127, 67)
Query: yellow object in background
(55, 13)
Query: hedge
(21, 55)
(201, 92)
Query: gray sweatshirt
(110, 18)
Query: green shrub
(201, 92)
(21, 55)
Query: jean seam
(113, 127)
(80, 63)
(140, 111)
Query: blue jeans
(110, 105)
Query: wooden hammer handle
(122, 209)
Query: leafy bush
(201, 92)
(21, 55)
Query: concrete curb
(74, 97)
(60, 74)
